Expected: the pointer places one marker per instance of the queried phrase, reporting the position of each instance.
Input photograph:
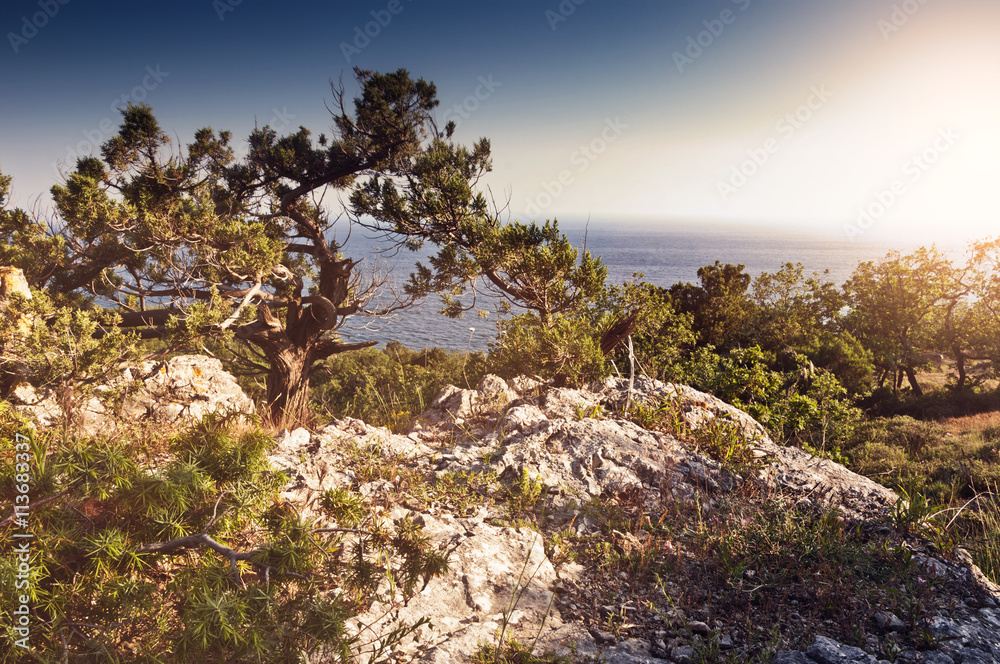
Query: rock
(524, 385)
(791, 657)
(487, 565)
(495, 390)
(185, 387)
(682, 654)
(45, 409)
(321, 461)
(788, 468)
(888, 622)
(591, 458)
(934, 657)
(453, 406)
(698, 627)
(564, 403)
(828, 651)
(629, 651)
(12, 282)
(520, 418)
(550, 437)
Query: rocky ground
(656, 524)
(571, 527)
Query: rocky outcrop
(571, 447)
(185, 387)
(176, 390)
(488, 566)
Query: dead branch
(181, 544)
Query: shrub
(255, 581)
(567, 350)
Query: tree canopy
(197, 241)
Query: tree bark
(911, 376)
(288, 384)
(960, 366)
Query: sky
(858, 119)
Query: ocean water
(664, 254)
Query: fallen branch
(30, 508)
(204, 539)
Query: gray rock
(682, 654)
(565, 403)
(495, 389)
(791, 657)
(629, 651)
(698, 627)
(320, 461)
(935, 657)
(888, 622)
(827, 651)
(180, 389)
(468, 603)
(550, 436)
(185, 387)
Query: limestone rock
(321, 461)
(487, 566)
(44, 408)
(185, 387)
(570, 441)
(12, 282)
(453, 406)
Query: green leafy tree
(531, 267)
(191, 243)
(662, 337)
(721, 307)
(790, 309)
(892, 303)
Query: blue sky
(863, 119)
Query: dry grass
(968, 424)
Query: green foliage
(255, 583)
(802, 403)
(662, 336)
(347, 508)
(566, 348)
(62, 349)
(390, 387)
(721, 308)
(513, 651)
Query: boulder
(185, 387)
(495, 575)
(181, 388)
(327, 459)
(570, 442)
(457, 409)
(12, 282)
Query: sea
(664, 254)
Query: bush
(566, 350)
(392, 386)
(255, 581)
